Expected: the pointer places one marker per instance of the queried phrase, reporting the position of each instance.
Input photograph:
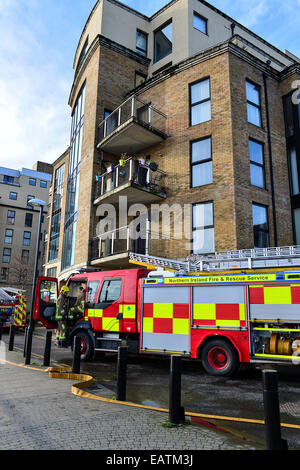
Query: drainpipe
(265, 76)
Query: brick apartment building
(186, 107)
(19, 222)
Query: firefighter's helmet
(64, 290)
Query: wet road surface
(238, 397)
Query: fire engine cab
(242, 308)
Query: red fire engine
(223, 317)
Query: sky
(38, 39)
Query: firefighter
(78, 309)
(62, 307)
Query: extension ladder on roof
(280, 257)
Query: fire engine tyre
(219, 358)
(87, 348)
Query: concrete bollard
(11, 338)
(176, 411)
(47, 352)
(122, 373)
(76, 355)
(272, 411)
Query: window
(4, 274)
(27, 238)
(25, 256)
(200, 106)
(163, 42)
(13, 196)
(11, 216)
(201, 162)
(200, 23)
(257, 168)
(253, 103)
(52, 272)
(294, 171)
(8, 179)
(48, 291)
(107, 113)
(8, 236)
(203, 228)
(28, 220)
(29, 206)
(92, 291)
(6, 255)
(260, 226)
(111, 291)
(83, 52)
(141, 43)
(289, 116)
(43, 184)
(139, 79)
(32, 181)
(70, 220)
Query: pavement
(41, 413)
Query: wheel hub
(218, 358)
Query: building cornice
(292, 70)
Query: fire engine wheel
(87, 347)
(219, 358)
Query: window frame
(6, 236)
(11, 217)
(261, 230)
(25, 259)
(139, 50)
(8, 179)
(6, 270)
(263, 166)
(140, 74)
(195, 13)
(26, 238)
(164, 25)
(30, 215)
(13, 198)
(251, 103)
(192, 105)
(201, 162)
(205, 227)
(6, 258)
(43, 184)
(30, 181)
(109, 280)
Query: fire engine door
(45, 301)
(166, 319)
(104, 313)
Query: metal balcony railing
(116, 242)
(136, 109)
(130, 171)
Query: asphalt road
(239, 397)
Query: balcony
(139, 181)
(131, 128)
(112, 249)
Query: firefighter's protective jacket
(78, 309)
(61, 308)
